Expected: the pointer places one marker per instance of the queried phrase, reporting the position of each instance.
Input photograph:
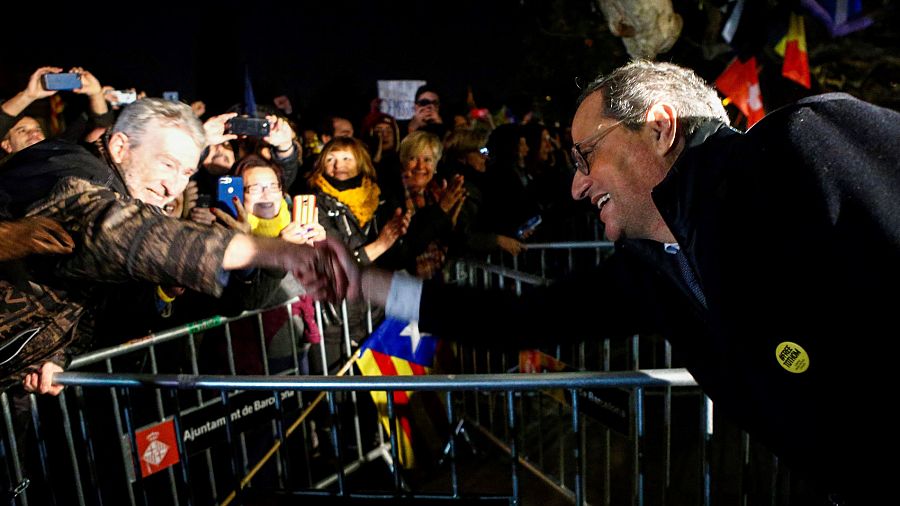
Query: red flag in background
(793, 48)
(740, 83)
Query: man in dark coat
(769, 258)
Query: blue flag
(249, 99)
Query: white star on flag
(412, 330)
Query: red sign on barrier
(157, 447)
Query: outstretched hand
(333, 276)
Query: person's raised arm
(215, 129)
(34, 91)
(325, 271)
(91, 87)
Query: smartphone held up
(61, 81)
(305, 209)
(251, 127)
(229, 187)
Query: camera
(121, 97)
(245, 125)
(61, 81)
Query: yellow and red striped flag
(397, 348)
(793, 48)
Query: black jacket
(793, 230)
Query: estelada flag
(740, 83)
(157, 448)
(793, 48)
(397, 348)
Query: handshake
(327, 272)
(331, 274)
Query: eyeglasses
(580, 158)
(258, 189)
(424, 102)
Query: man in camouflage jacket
(112, 208)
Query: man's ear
(5, 144)
(662, 120)
(118, 146)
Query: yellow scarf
(362, 200)
(270, 227)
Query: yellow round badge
(792, 357)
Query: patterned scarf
(270, 227)
(362, 200)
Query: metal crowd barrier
(728, 466)
(611, 436)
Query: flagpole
(265, 458)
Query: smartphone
(529, 226)
(170, 95)
(61, 81)
(304, 209)
(229, 187)
(251, 127)
(122, 97)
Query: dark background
(327, 56)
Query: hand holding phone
(305, 209)
(251, 127)
(228, 188)
(61, 81)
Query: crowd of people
(403, 195)
(768, 257)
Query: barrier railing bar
(67, 429)
(195, 369)
(42, 445)
(576, 450)
(160, 413)
(451, 423)
(129, 429)
(161, 337)
(88, 444)
(513, 447)
(439, 382)
(123, 449)
(13, 447)
(571, 245)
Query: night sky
(316, 53)
(327, 56)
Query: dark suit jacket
(793, 230)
